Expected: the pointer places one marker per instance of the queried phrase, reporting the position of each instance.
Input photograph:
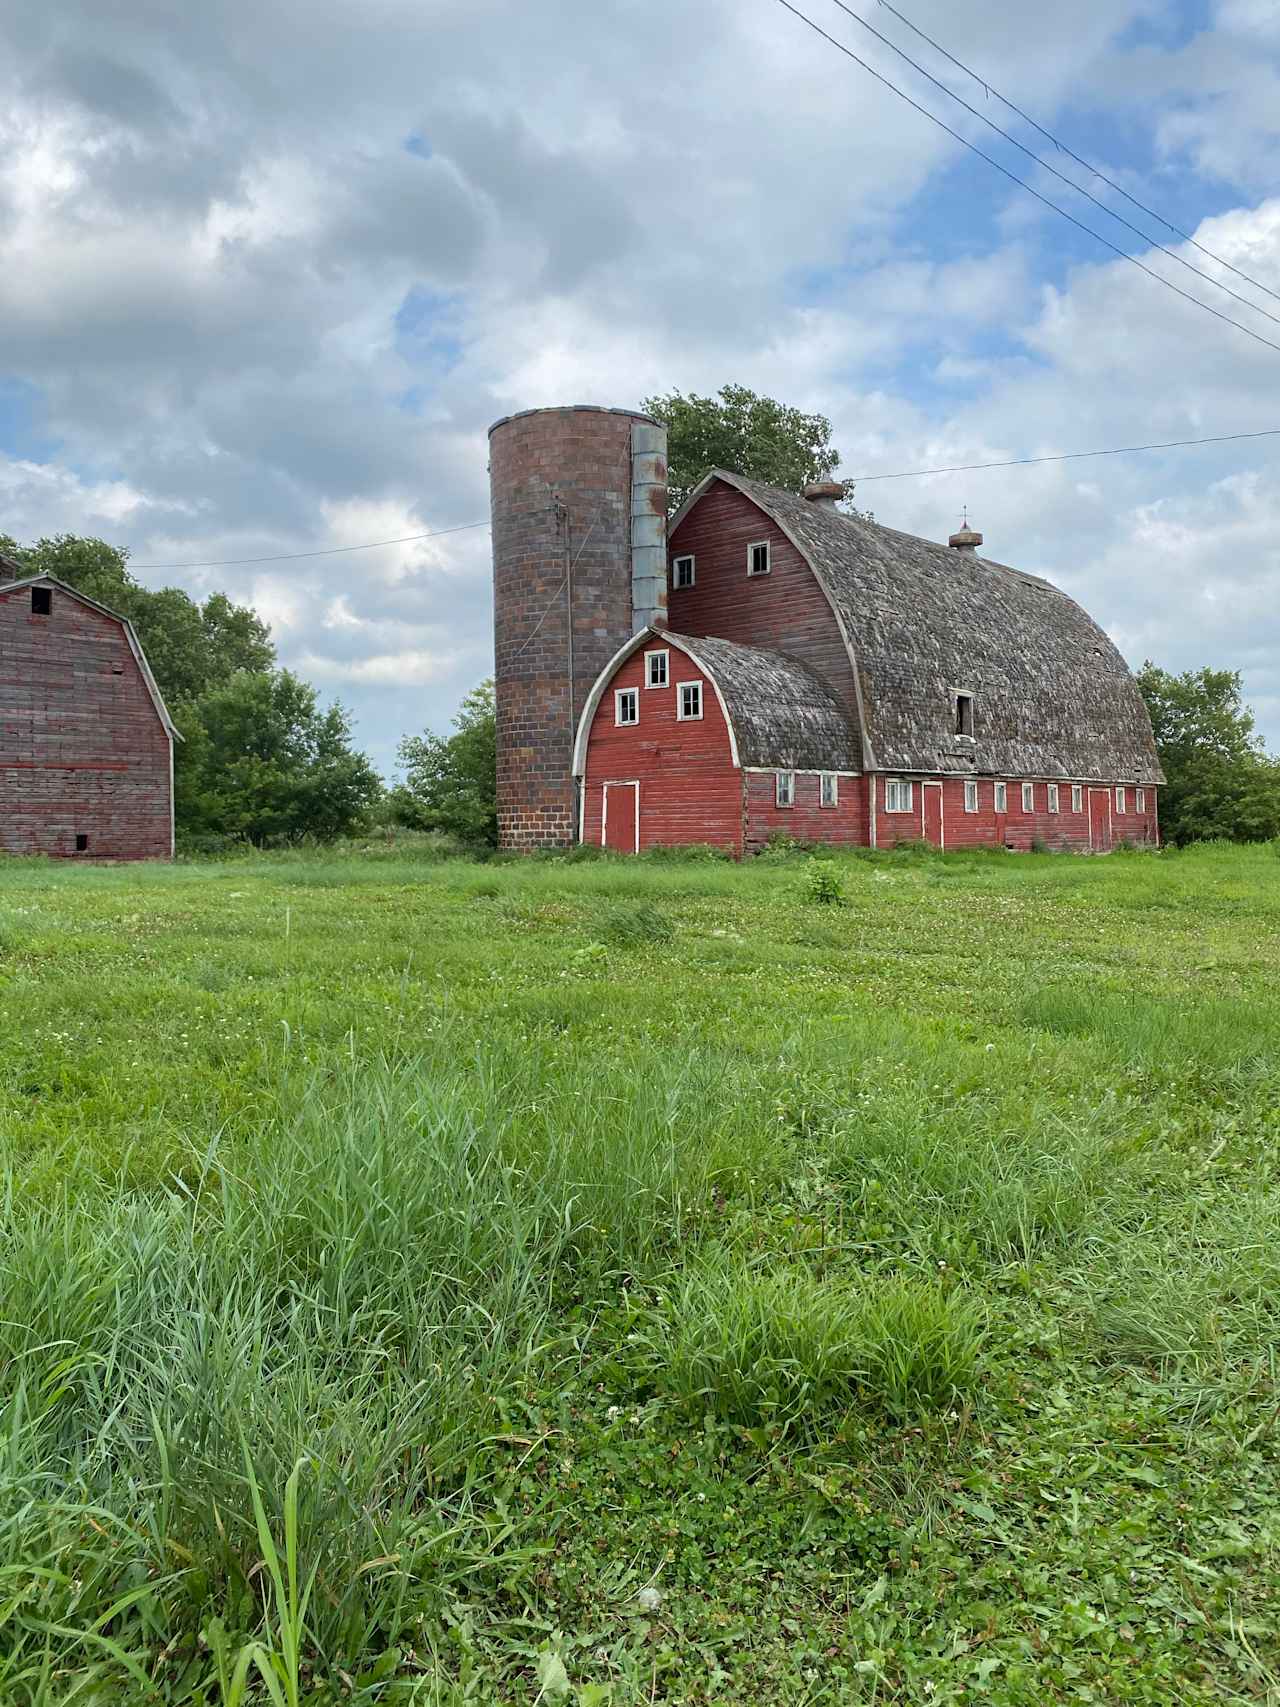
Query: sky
(268, 272)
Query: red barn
(86, 744)
(839, 681)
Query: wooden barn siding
(784, 611)
(1015, 828)
(690, 789)
(808, 821)
(82, 750)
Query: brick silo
(579, 498)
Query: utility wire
(1053, 170)
(1067, 456)
(296, 556)
(1057, 143)
(1024, 185)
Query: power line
(1023, 185)
(297, 556)
(1057, 143)
(1068, 456)
(1054, 172)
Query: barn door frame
(1111, 837)
(604, 813)
(924, 813)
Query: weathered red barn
(86, 744)
(804, 671)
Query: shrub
(823, 884)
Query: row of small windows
(684, 568)
(626, 701)
(899, 796)
(784, 788)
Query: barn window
(784, 788)
(1120, 799)
(688, 702)
(828, 789)
(41, 601)
(82, 844)
(626, 703)
(758, 557)
(655, 669)
(1140, 800)
(1028, 797)
(897, 795)
(964, 714)
(1002, 797)
(682, 572)
(117, 669)
(1053, 797)
(970, 796)
(1077, 797)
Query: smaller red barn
(86, 744)
(707, 740)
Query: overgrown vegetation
(1221, 781)
(622, 1281)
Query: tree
(265, 762)
(744, 433)
(451, 784)
(1220, 779)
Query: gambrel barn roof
(780, 716)
(1053, 697)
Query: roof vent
(827, 493)
(967, 539)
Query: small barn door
(1100, 820)
(931, 795)
(620, 817)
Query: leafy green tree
(1220, 779)
(451, 783)
(265, 762)
(191, 647)
(744, 433)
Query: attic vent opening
(41, 601)
(82, 843)
(964, 714)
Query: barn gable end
(86, 742)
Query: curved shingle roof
(783, 717)
(1052, 695)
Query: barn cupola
(825, 493)
(967, 539)
(10, 568)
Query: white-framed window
(828, 789)
(1028, 797)
(1002, 797)
(784, 788)
(898, 795)
(1077, 797)
(688, 702)
(1120, 800)
(682, 570)
(626, 705)
(656, 669)
(1053, 797)
(963, 713)
(758, 557)
(1140, 800)
(970, 795)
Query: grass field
(632, 1281)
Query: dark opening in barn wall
(41, 601)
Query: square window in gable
(758, 557)
(688, 702)
(626, 706)
(656, 669)
(682, 571)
